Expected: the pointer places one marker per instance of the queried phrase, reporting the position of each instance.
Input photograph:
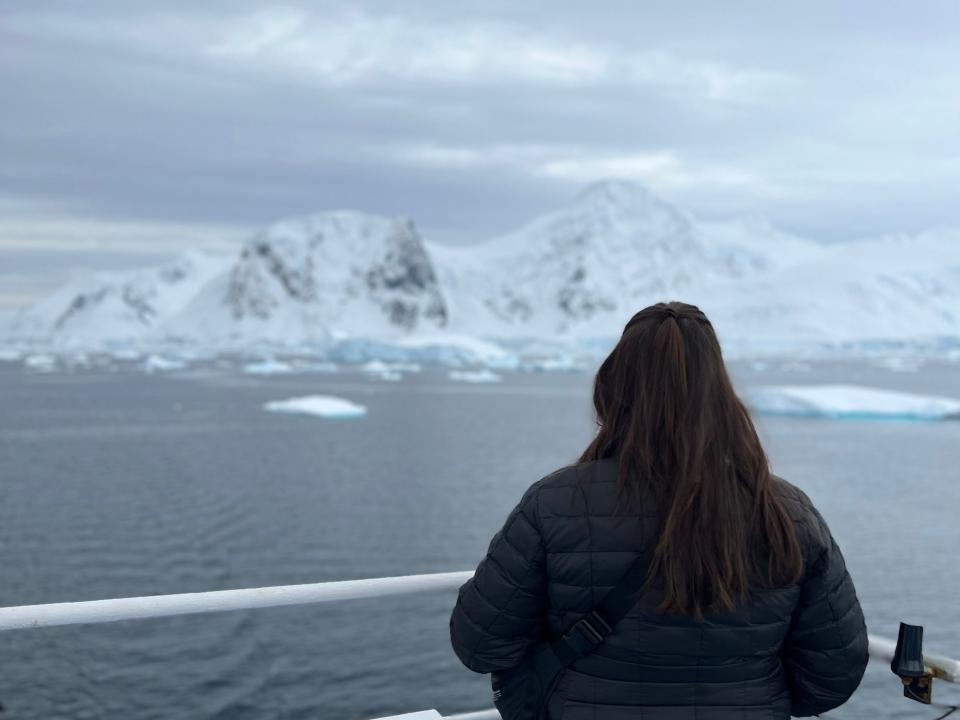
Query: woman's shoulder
(812, 528)
(572, 488)
(579, 473)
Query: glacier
(849, 402)
(327, 406)
(348, 287)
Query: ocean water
(119, 484)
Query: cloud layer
(835, 121)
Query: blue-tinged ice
(320, 405)
(849, 402)
(268, 366)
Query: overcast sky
(131, 130)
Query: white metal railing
(434, 715)
(132, 608)
(101, 611)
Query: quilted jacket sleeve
(501, 610)
(826, 652)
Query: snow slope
(893, 289)
(586, 268)
(577, 270)
(119, 306)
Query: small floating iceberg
(320, 405)
(391, 372)
(849, 402)
(899, 364)
(160, 363)
(268, 366)
(41, 362)
(475, 376)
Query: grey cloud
(844, 114)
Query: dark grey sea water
(121, 484)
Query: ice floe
(559, 363)
(40, 362)
(391, 372)
(379, 366)
(899, 364)
(268, 367)
(849, 402)
(320, 405)
(161, 363)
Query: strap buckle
(587, 633)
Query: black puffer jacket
(798, 650)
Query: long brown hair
(666, 408)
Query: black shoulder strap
(594, 627)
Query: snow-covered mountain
(572, 275)
(121, 306)
(316, 277)
(586, 268)
(575, 268)
(327, 275)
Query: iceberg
(390, 372)
(899, 364)
(41, 362)
(475, 376)
(267, 367)
(77, 360)
(320, 405)
(159, 363)
(376, 367)
(849, 402)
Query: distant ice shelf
(320, 405)
(849, 402)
